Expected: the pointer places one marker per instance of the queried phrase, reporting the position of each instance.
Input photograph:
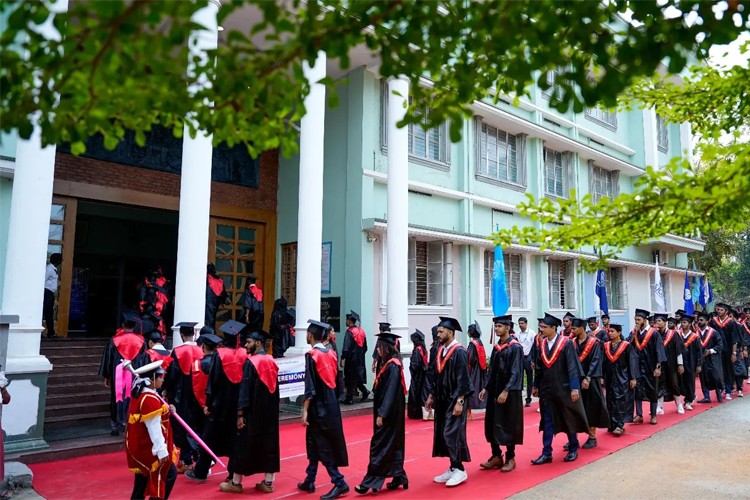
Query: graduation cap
(384, 327)
(475, 329)
(592, 319)
(578, 323)
(569, 315)
(209, 339)
(206, 330)
(186, 328)
(388, 337)
(503, 320)
(687, 317)
(723, 305)
(616, 327)
(154, 336)
(131, 317)
(232, 328)
(351, 315)
(641, 313)
(661, 316)
(259, 335)
(550, 320)
(704, 315)
(450, 323)
(417, 334)
(605, 316)
(679, 312)
(157, 367)
(318, 329)
(671, 320)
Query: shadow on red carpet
(106, 475)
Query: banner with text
(291, 376)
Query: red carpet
(107, 476)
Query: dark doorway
(115, 245)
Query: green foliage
(120, 65)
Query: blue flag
(696, 291)
(601, 291)
(703, 299)
(688, 296)
(500, 300)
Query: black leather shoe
(348, 402)
(543, 459)
(306, 486)
(398, 481)
(362, 490)
(365, 396)
(566, 446)
(704, 400)
(590, 443)
(572, 455)
(336, 492)
(191, 476)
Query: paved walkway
(707, 456)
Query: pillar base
(297, 350)
(23, 418)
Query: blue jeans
(707, 395)
(337, 478)
(639, 407)
(548, 432)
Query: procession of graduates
(225, 390)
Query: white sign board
(291, 376)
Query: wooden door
(236, 248)
(62, 232)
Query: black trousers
(48, 312)
(141, 483)
(352, 385)
(529, 376)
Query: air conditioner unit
(662, 256)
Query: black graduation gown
(729, 336)
(430, 376)
(593, 398)
(617, 377)
(553, 383)
(255, 316)
(692, 358)
(602, 336)
(111, 358)
(221, 400)
(503, 423)
(712, 372)
(213, 302)
(388, 442)
(669, 385)
(477, 375)
(257, 444)
(355, 371)
(418, 371)
(648, 356)
(451, 384)
(324, 435)
(179, 389)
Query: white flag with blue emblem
(661, 306)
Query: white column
(650, 138)
(28, 234)
(397, 237)
(195, 193)
(686, 142)
(310, 214)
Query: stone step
(61, 378)
(73, 411)
(76, 369)
(76, 388)
(73, 448)
(76, 359)
(92, 398)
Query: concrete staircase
(76, 395)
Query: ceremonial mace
(128, 365)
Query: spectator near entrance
(51, 282)
(252, 305)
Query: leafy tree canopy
(120, 65)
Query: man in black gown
(712, 371)
(321, 414)
(589, 352)
(418, 370)
(222, 394)
(252, 304)
(256, 446)
(503, 422)
(725, 326)
(671, 371)
(621, 372)
(389, 426)
(353, 359)
(692, 359)
(650, 348)
(558, 383)
(448, 396)
(429, 381)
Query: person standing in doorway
(526, 338)
(51, 283)
(216, 295)
(252, 305)
(353, 359)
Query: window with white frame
(662, 134)
(617, 288)
(430, 273)
(603, 183)
(556, 173)
(604, 117)
(514, 278)
(555, 89)
(500, 155)
(432, 145)
(561, 281)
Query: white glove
(3, 381)
(712, 351)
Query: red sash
(596, 332)
(613, 357)
(668, 337)
(642, 345)
(590, 341)
(200, 382)
(185, 355)
(501, 347)
(481, 353)
(423, 352)
(232, 361)
(722, 323)
(120, 331)
(568, 332)
(215, 284)
(128, 345)
(358, 335)
(443, 359)
(690, 339)
(257, 292)
(326, 364)
(268, 370)
(165, 359)
(551, 360)
(709, 334)
(382, 370)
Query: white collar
(446, 347)
(554, 339)
(158, 346)
(189, 343)
(319, 345)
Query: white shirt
(153, 425)
(526, 339)
(552, 341)
(50, 278)
(446, 347)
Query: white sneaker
(660, 410)
(458, 477)
(689, 406)
(728, 397)
(740, 395)
(444, 477)
(680, 409)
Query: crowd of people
(587, 377)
